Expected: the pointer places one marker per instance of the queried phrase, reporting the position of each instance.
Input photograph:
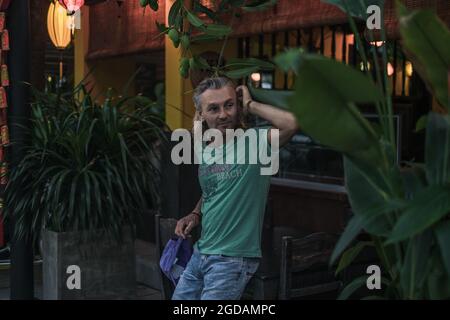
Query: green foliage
(277, 98)
(341, 125)
(430, 55)
(200, 8)
(420, 215)
(350, 254)
(87, 167)
(421, 124)
(153, 4)
(258, 5)
(289, 60)
(404, 210)
(443, 236)
(437, 155)
(207, 25)
(240, 68)
(194, 20)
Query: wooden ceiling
(136, 31)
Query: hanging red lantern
(72, 5)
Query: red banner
(2, 234)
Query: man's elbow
(292, 126)
(289, 129)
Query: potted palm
(89, 171)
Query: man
(231, 209)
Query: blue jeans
(215, 277)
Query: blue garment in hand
(175, 257)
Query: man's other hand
(186, 224)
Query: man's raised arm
(280, 119)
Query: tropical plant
(405, 210)
(156, 106)
(87, 166)
(191, 22)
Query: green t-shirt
(234, 196)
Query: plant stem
(219, 61)
(413, 271)
(356, 37)
(381, 252)
(362, 52)
(382, 113)
(388, 96)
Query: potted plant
(403, 208)
(89, 171)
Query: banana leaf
(437, 149)
(325, 107)
(420, 214)
(427, 41)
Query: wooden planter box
(107, 269)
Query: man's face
(219, 108)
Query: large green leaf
(421, 124)
(356, 284)
(413, 273)
(198, 7)
(414, 180)
(174, 12)
(218, 30)
(250, 62)
(325, 106)
(276, 98)
(200, 63)
(153, 4)
(258, 5)
(427, 40)
(428, 207)
(356, 8)
(194, 20)
(365, 186)
(289, 60)
(352, 287)
(442, 232)
(438, 283)
(350, 255)
(352, 229)
(241, 73)
(369, 198)
(437, 149)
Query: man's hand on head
(243, 94)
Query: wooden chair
(304, 266)
(164, 230)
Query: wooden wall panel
(116, 31)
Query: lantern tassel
(60, 67)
